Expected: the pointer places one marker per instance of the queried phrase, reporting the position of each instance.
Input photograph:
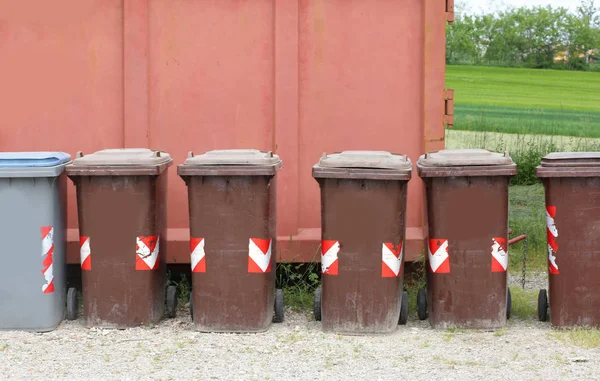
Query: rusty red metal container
(572, 185)
(233, 218)
(467, 209)
(363, 217)
(121, 199)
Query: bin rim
(363, 164)
(33, 164)
(37, 159)
(465, 162)
(360, 174)
(231, 162)
(569, 164)
(124, 162)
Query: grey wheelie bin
(32, 232)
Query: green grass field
(525, 101)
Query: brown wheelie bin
(467, 209)
(233, 219)
(572, 185)
(363, 219)
(121, 198)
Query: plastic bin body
(233, 217)
(467, 253)
(32, 232)
(572, 186)
(363, 216)
(121, 198)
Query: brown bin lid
(570, 164)
(232, 162)
(120, 161)
(466, 162)
(374, 165)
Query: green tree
(524, 36)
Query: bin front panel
(573, 204)
(121, 216)
(235, 292)
(362, 216)
(32, 209)
(468, 214)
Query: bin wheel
(317, 304)
(72, 303)
(279, 310)
(192, 305)
(171, 302)
(422, 304)
(543, 305)
(508, 304)
(403, 309)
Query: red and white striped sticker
(146, 250)
(329, 256)
(198, 255)
(85, 253)
(437, 253)
(259, 255)
(391, 260)
(47, 254)
(499, 255)
(552, 233)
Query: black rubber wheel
(317, 304)
(171, 310)
(403, 309)
(422, 304)
(279, 307)
(508, 304)
(192, 305)
(543, 305)
(72, 303)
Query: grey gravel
(533, 280)
(294, 350)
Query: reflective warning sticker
(198, 255)
(146, 250)
(391, 260)
(47, 254)
(552, 233)
(439, 260)
(499, 255)
(85, 253)
(329, 256)
(259, 255)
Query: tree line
(537, 37)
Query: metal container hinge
(449, 107)
(450, 11)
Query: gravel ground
(296, 349)
(533, 280)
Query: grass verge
(526, 215)
(524, 303)
(299, 282)
(581, 337)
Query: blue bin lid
(32, 159)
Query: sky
(478, 6)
